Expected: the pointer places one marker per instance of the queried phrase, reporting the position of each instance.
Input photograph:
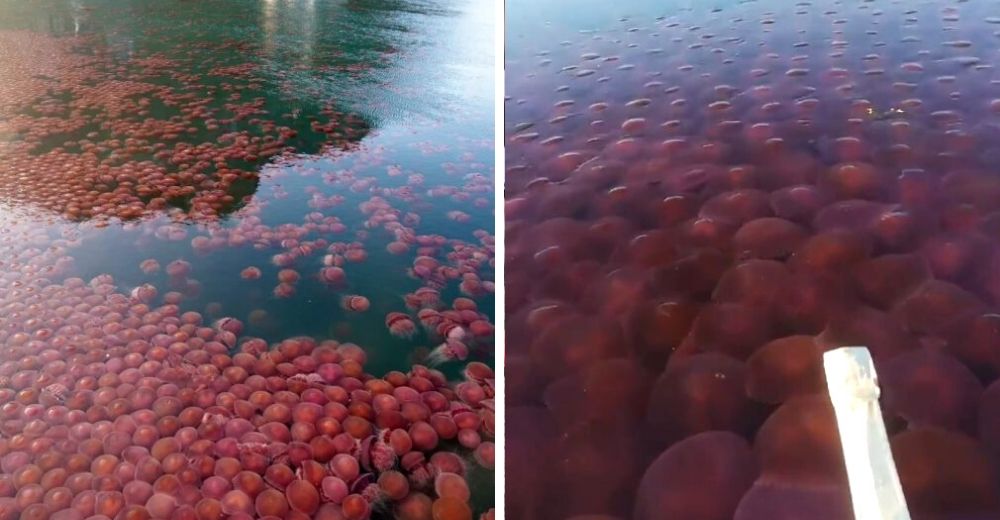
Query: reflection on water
(701, 199)
(205, 208)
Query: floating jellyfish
(753, 282)
(944, 473)
(355, 303)
(931, 307)
(657, 327)
(250, 273)
(178, 269)
(793, 500)
(144, 293)
(616, 390)
(149, 266)
(597, 473)
(928, 388)
(831, 251)
(800, 443)
(798, 203)
(972, 339)
(768, 238)
(288, 276)
(784, 368)
(855, 180)
(332, 275)
(400, 325)
(677, 403)
(450, 350)
(536, 442)
(574, 342)
(701, 477)
(884, 280)
(733, 329)
(866, 326)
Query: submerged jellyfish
(701, 477)
(701, 393)
(355, 303)
(400, 325)
(944, 473)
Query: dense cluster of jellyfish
(122, 401)
(116, 409)
(699, 206)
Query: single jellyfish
(885, 279)
(944, 472)
(768, 238)
(930, 388)
(784, 368)
(798, 203)
(974, 339)
(528, 495)
(869, 327)
(779, 500)
(830, 251)
(694, 275)
(934, 305)
(574, 342)
(609, 392)
(800, 443)
(701, 477)
(752, 282)
(699, 393)
(655, 328)
(855, 180)
(806, 302)
(854, 215)
(734, 329)
(596, 469)
(737, 207)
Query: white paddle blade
(871, 471)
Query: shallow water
(223, 134)
(701, 198)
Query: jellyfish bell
(767, 238)
(676, 406)
(885, 279)
(703, 476)
(932, 306)
(591, 339)
(355, 303)
(611, 401)
(784, 368)
(944, 472)
(928, 388)
(782, 500)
